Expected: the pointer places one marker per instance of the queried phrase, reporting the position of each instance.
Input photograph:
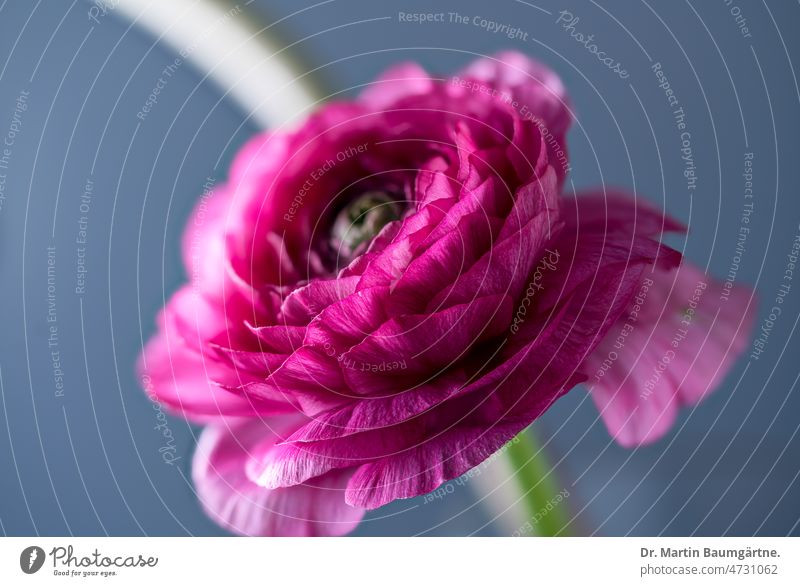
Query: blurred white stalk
(228, 43)
(501, 495)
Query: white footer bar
(400, 561)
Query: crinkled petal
(674, 346)
(178, 377)
(314, 508)
(395, 83)
(527, 82)
(412, 349)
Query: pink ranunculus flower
(386, 295)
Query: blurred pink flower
(383, 297)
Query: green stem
(545, 503)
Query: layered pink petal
(674, 346)
(501, 403)
(314, 508)
(178, 377)
(397, 82)
(416, 348)
(528, 82)
(534, 92)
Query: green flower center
(361, 221)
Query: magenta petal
(444, 261)
(527, 153)
(386, 267)
(192, 319)
(425, 467)
(677, 346)
(282, 339)
(528, 82)
(395, 83)
(483, 378)
(417, 346)
(203, 244)
(347, 322)
(401, 460)
(509, 400)
(590, 240)
(381, 412)
(615, 211)
(520, 390)
(290, 463)
(315, 508)
(490, 199)
(539, 197)
(548, 351)
(305, 303)
(308, 379)
(287, 464)
(435, 186)
(250, 364)
(180, 378)
(503, 269)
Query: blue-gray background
(88, 463)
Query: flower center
(360, 222)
